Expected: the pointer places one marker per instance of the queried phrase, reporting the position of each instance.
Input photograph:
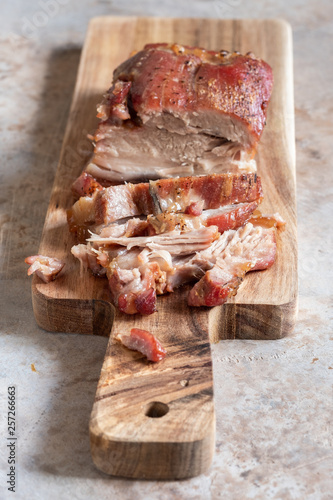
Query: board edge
(91, 317)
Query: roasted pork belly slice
(211, 191)
(224, 218)
(165, 195)
(174, 195)
(46, 268)
(174, 106)
(199, 90)
(124, 200)
(116, 203)
(250, 249)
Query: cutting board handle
(156, 420)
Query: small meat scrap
(85, 185)
(275, 220)
(46, 268)
(144, 342)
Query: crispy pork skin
(177, 110)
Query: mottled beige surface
(273, 399)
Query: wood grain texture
(125, 440)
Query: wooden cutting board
(157, 420)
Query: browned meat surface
(133, 277)
(252, 249)
(125, 200)
(144, 342)
(177, 110)
(212, 191)
(85, 185)
(165, 195)
(185, 116)
(183, 81)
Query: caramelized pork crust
(177, 110)
(196, 86)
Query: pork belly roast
(182, 124)
(175, 110)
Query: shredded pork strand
(176, 242)
(140, 270)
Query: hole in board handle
(156, 409)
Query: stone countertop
(273, 399)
